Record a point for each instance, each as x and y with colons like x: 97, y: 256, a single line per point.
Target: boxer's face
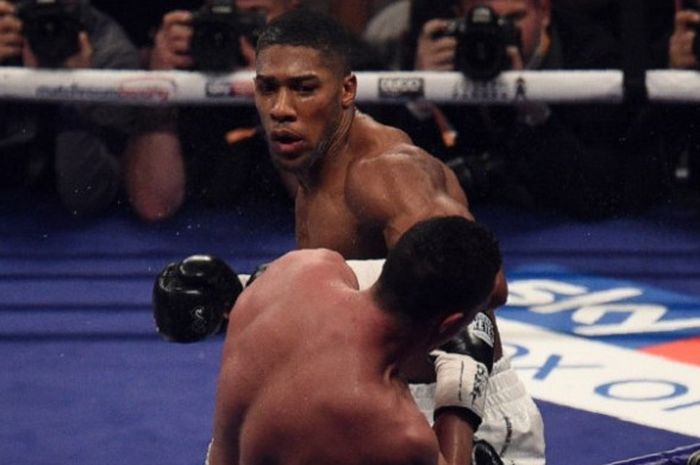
x: 530, y: 16
x: 300, y: 100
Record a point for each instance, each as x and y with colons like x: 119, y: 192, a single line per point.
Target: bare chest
x: 325, y: 221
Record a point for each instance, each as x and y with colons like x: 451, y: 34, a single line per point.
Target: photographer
x: 586, y: 160
x: 210, y: 154
x: 78, y: 144
x: 683, y: 53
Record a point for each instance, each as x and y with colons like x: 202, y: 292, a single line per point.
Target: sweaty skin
x: 373, y: 189
x: 361, y: 183
x: 311, y: 376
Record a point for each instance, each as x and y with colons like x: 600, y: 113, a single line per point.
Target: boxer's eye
x: 264, y: 87
x: 305, y: 87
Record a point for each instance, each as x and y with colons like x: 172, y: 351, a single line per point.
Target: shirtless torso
x: 373, y: 188
x: 307, y: 374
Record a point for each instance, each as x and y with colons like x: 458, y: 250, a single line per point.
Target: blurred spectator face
x: 272, y: 8
x: 531, y: 17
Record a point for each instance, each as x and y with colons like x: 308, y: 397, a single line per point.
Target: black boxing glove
x: 191, y: 298
x: 256, y: 273
x: 462, y: 367
x: 476, y: 340
x: 483, y: 453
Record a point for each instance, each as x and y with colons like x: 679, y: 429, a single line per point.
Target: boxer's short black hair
x: 445, y: 264
x: 307, y: 28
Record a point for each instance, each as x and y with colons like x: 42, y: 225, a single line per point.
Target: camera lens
x: 215, y: 45
x: 217, y: 32
x: 52, y: 31
x: 482, y: 54
x: 481, y: 47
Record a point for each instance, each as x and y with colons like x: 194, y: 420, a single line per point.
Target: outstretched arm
x: 396, y: 190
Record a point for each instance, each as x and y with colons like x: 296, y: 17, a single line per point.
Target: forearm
x: 462, y: 367
x: 455, y: 436
x: 155, y: 170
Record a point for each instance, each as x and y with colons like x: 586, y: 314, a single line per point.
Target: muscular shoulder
x: 391, y: 429
x: 368, y: 130
x: 409, y: 157
x: 325, y: 263
x: 403, y: 177
x: 393, y: 166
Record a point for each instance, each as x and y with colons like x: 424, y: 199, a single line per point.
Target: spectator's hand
x: 11, y: 39
x: 435, y: 53
x: 516, y: 58
x: 82, y: 59
x: 680, y: 48
x: 172, y: 43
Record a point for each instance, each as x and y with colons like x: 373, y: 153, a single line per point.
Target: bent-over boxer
x: 314, y: 370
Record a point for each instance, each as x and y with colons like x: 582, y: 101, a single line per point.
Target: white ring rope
x: 185, y: 87
x: 673, y: 86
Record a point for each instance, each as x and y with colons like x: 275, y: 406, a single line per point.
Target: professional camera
x: 51, y: 27
x: 694, y: 5
x: 218, y: 27
x: 482, y: 38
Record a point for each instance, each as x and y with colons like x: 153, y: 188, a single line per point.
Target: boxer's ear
x: 450, y: 326
x: 349, y: 90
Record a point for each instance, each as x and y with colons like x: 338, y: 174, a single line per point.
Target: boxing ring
x: 603, y: 322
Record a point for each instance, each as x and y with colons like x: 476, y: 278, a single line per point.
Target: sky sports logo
x: 597, y: 377
x: 616, y: 312
x: 401, y: 87
x: 615, y: 347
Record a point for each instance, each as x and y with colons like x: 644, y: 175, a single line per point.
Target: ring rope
x: 151, y: 88
x: 673, y: 86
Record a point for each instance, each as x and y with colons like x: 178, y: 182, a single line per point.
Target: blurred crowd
x: 587, y: 161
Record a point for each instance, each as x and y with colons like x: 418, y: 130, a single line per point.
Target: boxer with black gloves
x: 192, y: 298
x: 362, y: 184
